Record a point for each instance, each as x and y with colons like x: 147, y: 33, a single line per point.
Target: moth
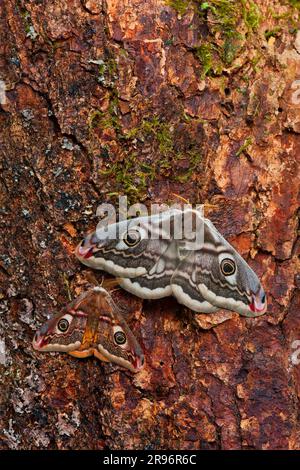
x: 153, y: 262
x: 92, y: 325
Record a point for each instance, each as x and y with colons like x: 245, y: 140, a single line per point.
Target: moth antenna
x: 110, y: 283
x: 67, y: 286
x: 115, y: 290
x: 93, y: 280
x: 207, y: 204
x: 181, y: 198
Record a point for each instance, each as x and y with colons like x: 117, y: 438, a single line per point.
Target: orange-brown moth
x: 92, y: 324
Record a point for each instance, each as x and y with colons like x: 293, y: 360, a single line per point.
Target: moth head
x: 125, y: 249
x: 63, y: 332
x: 232, y: 284
x: 238, y: 274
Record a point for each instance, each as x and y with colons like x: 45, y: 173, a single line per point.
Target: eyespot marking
x: 228, y: 267
x: 120, y: 337
x: 132, y: 237
x: 63, y: 325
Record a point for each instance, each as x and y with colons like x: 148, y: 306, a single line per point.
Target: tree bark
x: 150, y: 99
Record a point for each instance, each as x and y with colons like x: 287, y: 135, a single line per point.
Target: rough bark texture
x: 149, y: 99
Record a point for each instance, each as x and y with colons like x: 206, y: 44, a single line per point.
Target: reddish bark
x: 81, y: 78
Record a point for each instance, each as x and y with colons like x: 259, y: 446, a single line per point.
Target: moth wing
x: 145, y: 261
x: 155, y: 283
x: 128, y: 354
x: 185, y: 284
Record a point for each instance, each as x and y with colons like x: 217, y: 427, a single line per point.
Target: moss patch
x: 275, y: 32
x: 224, y: 20
x: 107, y: 72
x: 106, y: 120
x: 205, y: 55
x: 169, y: 156
x: 180, y: 6
x: 221, y: 15
x: 295, y: 3
x: 251, y: 15
x: 131, y: 176
x: 155, y: 129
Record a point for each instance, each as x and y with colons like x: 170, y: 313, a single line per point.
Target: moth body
x: 92, y: 325
x: 201, y: 269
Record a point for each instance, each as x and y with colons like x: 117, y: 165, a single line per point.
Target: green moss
x: 195, y: 158
x: 169, y: 42
x: 155, y: 129
x: 256, y: 60
x: 227, y: 14
x: 205, y: 56
x: 224, y: 15
x: 180, y: 6
x: 242, y: 91
x: 28, y: 25
x: 230, y: 50
x: 251, y: 14
x: 248, y: 141
x: 107, y: 72
x: 287, y: 21
x: 295, y: 4
x: 131, y: 176
x: 160, y: 131
x: 99, y: 119
x: 113, y: 110
x: 268, y: 117
x: 107, y: 120
x: 275, y: 32
x: 95, y: 119
x: 223, y: 19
